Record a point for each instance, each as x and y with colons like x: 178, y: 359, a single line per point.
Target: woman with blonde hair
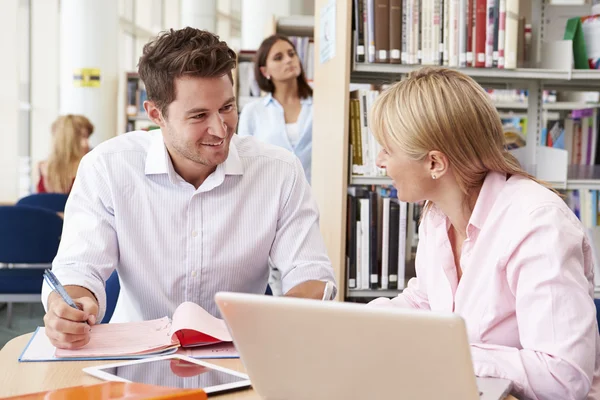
x: 70, y: 142
x: 495, y: 245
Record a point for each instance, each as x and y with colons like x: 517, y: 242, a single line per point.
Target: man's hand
x: 66, y: 327
x: 308, y: 290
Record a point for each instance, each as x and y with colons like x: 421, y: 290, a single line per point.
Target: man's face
x: 201, y: 120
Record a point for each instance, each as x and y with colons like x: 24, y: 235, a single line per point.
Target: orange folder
x: 116, y: 390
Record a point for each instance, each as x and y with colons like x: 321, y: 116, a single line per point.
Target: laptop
x: 308, y: 349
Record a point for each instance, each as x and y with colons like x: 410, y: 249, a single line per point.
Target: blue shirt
x: 264, y: 119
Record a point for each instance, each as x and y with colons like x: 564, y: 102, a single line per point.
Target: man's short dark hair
x: 177, y: 53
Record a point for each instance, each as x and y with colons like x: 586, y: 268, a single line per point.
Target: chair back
x: 28, y: 235
x: 113, y: 288
x: 49, y: 201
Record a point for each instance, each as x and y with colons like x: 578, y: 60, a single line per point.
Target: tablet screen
x: 173, y: 372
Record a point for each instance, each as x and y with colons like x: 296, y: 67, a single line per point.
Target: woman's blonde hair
x: 67, y: 151
x: 442, y: 109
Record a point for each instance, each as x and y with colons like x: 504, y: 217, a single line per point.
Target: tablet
x: 173, y: 371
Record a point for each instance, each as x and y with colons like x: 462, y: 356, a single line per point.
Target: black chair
x: 113, y: 288
x: 49, y: 201
x: 29, y: 239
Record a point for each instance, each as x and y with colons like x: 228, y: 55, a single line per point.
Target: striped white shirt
x: 171, y: 242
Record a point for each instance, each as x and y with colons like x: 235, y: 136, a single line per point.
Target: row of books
x: 585, y: 204
x: 136, y: 95
x: 363, y: 146
x: 381, y: 233
x: 577, y: 133
x: 456, y: 33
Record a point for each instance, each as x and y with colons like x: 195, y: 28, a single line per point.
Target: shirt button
x: 194, y: 233
x: 194, y: 273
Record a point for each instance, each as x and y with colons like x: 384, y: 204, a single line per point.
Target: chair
x: 49, y: 201
x: 28, y: 236
x: 113, y: 288
x: 597, y: 302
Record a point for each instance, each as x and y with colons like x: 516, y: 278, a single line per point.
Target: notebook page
x: 219, y: 350
x: 125, y: 338
x: 190, y: 315
x: 39, y: 348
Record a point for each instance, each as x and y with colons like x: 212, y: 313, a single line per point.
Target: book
x: 192, y: 332
x: 115, y: 391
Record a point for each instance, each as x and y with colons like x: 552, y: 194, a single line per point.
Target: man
x: 187, y: 211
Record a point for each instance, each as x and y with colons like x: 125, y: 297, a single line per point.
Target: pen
x: 56, y: 286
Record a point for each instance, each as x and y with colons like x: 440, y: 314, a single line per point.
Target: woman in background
x: 284, y: 117
x: 495, y: 246
x: 70, y: 142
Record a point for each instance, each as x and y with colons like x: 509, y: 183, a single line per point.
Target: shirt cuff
x: 313, y: 272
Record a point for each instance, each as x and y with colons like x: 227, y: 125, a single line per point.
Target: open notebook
x: 192, y: 332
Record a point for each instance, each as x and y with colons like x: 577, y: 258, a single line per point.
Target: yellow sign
x: 86, y: 77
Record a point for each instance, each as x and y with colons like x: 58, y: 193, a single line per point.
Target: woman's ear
x: 263, y: 71
x: 437, y: 164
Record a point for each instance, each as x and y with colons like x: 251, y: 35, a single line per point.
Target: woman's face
x: 410, y: 177
x: 85, y: 141
x: 282, y: 62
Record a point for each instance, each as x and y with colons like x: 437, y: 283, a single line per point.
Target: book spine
x: 373, y: 266
x: 396, y: 31
x: 502, y: 34
x: 385, y: 243
x: 359, y: 29
x: 381, y: 26
x: 480, y: 32
x: 394, y: 244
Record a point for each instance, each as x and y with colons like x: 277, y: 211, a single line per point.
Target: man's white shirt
x: 171, y: 242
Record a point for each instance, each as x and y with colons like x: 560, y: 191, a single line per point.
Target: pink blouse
x: 526, y: 293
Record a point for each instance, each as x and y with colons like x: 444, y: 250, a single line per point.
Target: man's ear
x: 154, y: 113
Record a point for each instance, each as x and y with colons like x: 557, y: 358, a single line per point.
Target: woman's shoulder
x: 527, y: 201
x: 254, y: 105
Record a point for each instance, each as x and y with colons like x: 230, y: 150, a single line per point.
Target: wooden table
x: 20, y: 378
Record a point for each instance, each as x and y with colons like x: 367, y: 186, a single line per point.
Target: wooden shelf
x: 558, y: 106
x: 372, y: 293
x: 573, y: 183
x: 586, y: 79
x: 296, y: 25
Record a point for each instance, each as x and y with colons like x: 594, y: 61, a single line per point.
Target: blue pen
x: 56, y: 286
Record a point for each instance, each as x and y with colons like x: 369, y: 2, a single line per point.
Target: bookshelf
x: 135, y: 95
x: 331, y: 144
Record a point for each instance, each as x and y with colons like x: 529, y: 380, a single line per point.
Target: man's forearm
x: 73, y: 291
x: 308, y: 290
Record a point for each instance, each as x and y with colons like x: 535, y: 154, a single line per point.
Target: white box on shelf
x: 551, y: 164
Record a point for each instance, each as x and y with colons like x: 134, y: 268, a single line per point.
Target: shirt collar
x: 159, y: 162
x: 157, y: 159
x: 269, y: 98
x: 492, y: 186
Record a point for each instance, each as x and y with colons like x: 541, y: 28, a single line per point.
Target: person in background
x: 70, y: 142
x: 496, y: 246
x: 284, y: 117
